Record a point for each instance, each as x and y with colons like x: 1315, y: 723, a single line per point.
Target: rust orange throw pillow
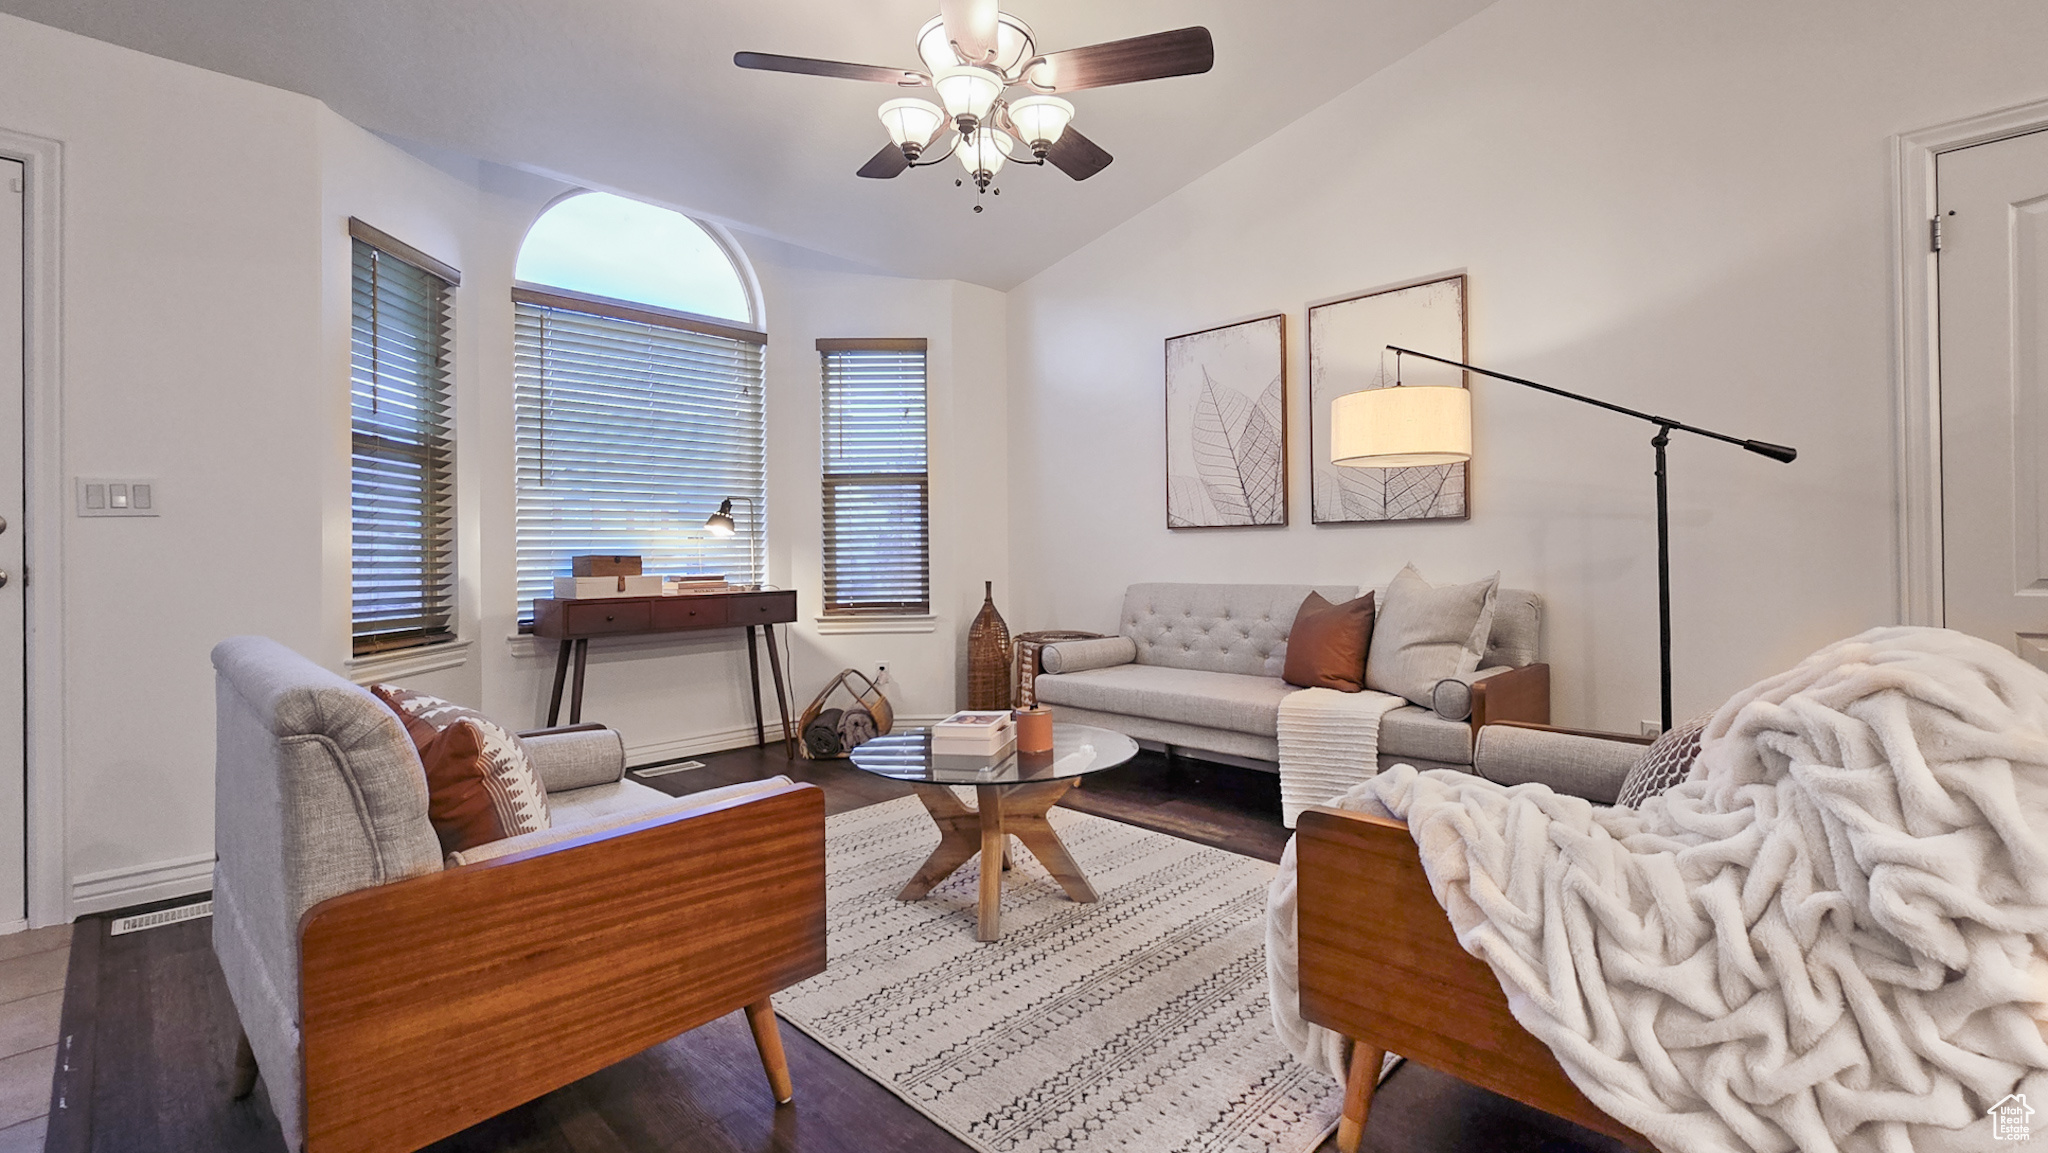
x: 1327, y: 645
x: 480, y: 786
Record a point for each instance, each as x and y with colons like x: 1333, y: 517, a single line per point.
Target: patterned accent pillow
x: 1666, y: 763
x: 480, y: 785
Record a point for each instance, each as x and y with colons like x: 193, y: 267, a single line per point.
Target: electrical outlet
x: 1652, y: 729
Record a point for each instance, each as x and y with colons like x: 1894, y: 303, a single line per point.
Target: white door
x: 13, y: 697
x: 1992, y: 201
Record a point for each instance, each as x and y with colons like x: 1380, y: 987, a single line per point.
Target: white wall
x: 189, y: 307
x: 206, y: 345
x: 1681, y: 208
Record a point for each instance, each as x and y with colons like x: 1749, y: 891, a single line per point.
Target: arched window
x: 608, y: 245
x: 638, y: 406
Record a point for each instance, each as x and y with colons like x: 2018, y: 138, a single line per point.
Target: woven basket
x: 865, y: 694
x: 1025, y: 673
x: 988, y: 655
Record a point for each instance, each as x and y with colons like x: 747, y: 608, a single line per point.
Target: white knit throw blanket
x: 1830, y: 938
x: 1329, y: 742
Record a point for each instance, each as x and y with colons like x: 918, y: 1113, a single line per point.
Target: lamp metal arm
x: 1777, y: 452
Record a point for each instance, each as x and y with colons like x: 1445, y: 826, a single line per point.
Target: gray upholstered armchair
x: 388, y: 998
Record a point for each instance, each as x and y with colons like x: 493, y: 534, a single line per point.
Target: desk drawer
x: 688, y: 612
x: 767, y: 608
x: 586, y: 618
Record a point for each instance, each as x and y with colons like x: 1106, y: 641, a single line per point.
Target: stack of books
x: 974, y: 734
x: 694, y: 583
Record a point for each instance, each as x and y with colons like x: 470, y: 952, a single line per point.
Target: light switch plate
x: 118, y: 496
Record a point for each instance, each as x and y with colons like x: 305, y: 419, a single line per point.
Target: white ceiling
x: 642, y: 97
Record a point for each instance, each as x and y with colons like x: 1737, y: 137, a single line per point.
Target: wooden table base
x: 1000, y: 812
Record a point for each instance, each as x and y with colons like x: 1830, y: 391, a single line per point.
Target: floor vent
x: 665, y: 770
x: 160, y: 918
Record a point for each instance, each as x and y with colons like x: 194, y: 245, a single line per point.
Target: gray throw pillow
x: 1425, y: 633
x: 1080, y: 656
x: 1452, y: 697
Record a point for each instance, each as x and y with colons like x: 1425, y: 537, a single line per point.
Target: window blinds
x: 877, y: 508
x: 402, y: 499
x: 630, y: 429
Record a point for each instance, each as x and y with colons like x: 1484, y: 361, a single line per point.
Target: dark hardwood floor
x: 148, y: 1030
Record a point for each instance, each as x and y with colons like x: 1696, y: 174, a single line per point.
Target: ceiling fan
x: 973, y: 55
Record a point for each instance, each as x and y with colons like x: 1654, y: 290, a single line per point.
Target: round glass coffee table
x: 1012, y: 794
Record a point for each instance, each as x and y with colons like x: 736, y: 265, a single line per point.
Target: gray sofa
x: 389, y: 997
x: 1204, y: 676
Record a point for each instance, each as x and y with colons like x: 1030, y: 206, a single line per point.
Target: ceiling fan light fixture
x: 912, y: 123
x: 1014, y: 46
x: 982, y: 154
x: 1040, y: 120
x: 968, y: 91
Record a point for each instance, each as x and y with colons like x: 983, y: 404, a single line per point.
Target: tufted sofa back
x: 1215, y: 627
x: 1228, y: 628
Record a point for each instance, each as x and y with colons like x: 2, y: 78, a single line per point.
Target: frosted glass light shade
x: 1400, y: 427
x: 967, y: 90
x: 1040, y: 119
x: 912, y: 121
x: 1013, y: 45
x: 934, y: 49
x: 985, y: 151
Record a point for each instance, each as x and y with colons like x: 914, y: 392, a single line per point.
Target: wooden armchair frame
x: 430, y: 1004
x: 1518, y: 695
x: 1381, y: 965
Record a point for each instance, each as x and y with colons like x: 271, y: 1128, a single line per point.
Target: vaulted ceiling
x: 641, y: 97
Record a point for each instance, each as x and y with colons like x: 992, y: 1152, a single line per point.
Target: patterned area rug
x: 1136, y: 1023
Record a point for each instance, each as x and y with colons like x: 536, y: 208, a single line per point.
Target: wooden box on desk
x: 600, y: 566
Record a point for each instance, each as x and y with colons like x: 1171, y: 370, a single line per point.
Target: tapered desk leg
x: 561, y: 673
x: 754, y: 675
x: 576, y: 693
x: 781, y: 697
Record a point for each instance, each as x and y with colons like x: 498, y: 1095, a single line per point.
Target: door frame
x: 1917, y: 350
x: 44, y: 511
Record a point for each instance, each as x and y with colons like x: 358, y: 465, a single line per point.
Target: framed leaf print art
x: 1347, y: 352
x: 1226, y: 426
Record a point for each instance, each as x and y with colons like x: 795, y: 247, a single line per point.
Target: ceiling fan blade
x: 884, y: 165
x: 806, y: 66
x: 971, y: 24
x: 1076, y: 155
x: 1184, y: 52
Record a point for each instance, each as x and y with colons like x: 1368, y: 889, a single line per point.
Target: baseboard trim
x: 141, y: 884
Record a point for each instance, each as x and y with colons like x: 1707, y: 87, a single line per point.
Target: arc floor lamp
x: 1432, y: 424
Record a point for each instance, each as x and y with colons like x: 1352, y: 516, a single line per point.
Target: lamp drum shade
x: 1401, y: 426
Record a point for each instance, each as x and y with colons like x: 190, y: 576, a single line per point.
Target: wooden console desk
x: 574, y: 622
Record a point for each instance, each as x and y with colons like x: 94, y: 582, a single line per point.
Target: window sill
x: 407, y: 662
x: 841, y: 626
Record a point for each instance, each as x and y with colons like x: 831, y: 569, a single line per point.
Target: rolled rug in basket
x: 821, y: 736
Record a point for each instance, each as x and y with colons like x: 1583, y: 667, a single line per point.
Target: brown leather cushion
x: 1327, y: 645
x: 480, y: 785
